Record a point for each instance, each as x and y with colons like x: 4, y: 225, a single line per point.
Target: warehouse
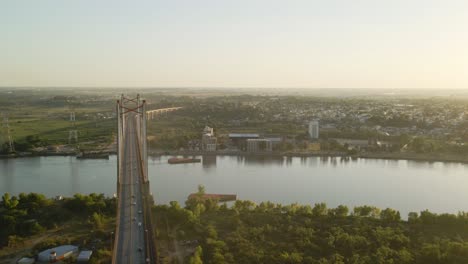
x: 57, y: 253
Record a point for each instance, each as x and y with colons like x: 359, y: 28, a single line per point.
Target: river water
x: 403, y: 185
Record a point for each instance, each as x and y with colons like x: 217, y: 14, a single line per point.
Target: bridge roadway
x: 130, y: 237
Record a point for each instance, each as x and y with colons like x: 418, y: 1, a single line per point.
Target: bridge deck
x: 130, y: 238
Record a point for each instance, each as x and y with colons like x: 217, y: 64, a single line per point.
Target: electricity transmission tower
x: 73, y: 132
x: 7, y: 133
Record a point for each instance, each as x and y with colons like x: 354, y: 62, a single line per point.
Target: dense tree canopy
x: 32, y: 213
x: 273, y: 233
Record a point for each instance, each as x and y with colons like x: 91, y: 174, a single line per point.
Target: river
x: 403, y: 185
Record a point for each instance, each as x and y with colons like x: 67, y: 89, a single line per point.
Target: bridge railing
x: 120, y: 126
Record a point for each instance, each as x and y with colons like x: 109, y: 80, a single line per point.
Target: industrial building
x: 57, y: 254
x: 209, y: 141
x: 259, y: 145
x: 240, y: 140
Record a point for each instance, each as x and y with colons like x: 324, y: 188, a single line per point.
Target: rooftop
x: 84, y: 255
x: 242, y: 135
x: 60, y: 250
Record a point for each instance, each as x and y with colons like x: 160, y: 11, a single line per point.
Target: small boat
x: 182, y: 160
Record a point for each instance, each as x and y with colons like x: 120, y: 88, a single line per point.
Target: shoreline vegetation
x: 422, y: 157
x: 207, y: 231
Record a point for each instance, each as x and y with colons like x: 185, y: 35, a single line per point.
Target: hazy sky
x: 235, y: 43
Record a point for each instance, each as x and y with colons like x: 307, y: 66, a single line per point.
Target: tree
x: 201, y: 190
x: 97, y: 221
x: 9, y: 202
x: 291, y: 258
x: 367, y: 211
x: 320, y: 209
x: 390, y: 215
x: 196, y: 258
x: 418, y: 144
x: 412, y: 217
x: 14, y: 240
x: 340, y: 211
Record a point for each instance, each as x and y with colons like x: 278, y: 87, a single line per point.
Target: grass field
x: 52, y: 124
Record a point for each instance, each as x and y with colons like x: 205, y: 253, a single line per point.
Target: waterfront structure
x: 275, y: 141
x: 240, y: 139
x: 259, y: 145
x: 209, y: 141
x: 314, y: 129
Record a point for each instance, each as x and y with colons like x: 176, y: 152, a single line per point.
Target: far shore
x: 423, y: 157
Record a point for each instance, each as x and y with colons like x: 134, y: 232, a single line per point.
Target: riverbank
x: 54, y: 154
x: 423, y: 157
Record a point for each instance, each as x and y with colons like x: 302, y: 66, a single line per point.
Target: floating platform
x: 218, y: 197
x: 93, y: 155
x: 183, y: 160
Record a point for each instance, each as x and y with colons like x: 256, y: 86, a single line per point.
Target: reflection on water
x: 6, y: 177
x: 75, y: 183
x: 324, y: 159
x: 154, y: 159
x: 262, y: 160
x: 313, y: 161
x: 209, y: 161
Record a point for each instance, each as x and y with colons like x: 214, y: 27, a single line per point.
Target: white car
x: 139, y: 224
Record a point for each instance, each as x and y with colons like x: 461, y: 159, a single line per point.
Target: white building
x: 314, y: 129
x: 209, y: 141
x: 256, y: 145
x: 208, y: 131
